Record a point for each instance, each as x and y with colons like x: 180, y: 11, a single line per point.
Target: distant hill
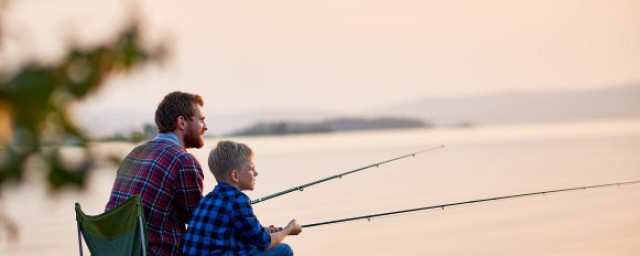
x: 227, y: 123
x: 332, y: 125
x: 523, y: 107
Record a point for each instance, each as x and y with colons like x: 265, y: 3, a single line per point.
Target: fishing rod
x: 443, y: 206
x: 302, y: 187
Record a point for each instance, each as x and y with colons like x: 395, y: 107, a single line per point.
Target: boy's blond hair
x: 226, y: 157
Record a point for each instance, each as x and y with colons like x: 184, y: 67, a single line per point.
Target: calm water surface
x: 476, y: 163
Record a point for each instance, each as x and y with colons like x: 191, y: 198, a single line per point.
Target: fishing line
x: 443, y: 206
x: 302, y: 187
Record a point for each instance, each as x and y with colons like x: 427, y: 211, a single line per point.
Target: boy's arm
x: 293, y: 228
x: 247, y: 224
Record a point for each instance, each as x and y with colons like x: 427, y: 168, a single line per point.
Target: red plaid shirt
x: 169, y: 180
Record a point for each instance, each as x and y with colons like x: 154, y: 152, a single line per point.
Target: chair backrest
x: 121, y: 231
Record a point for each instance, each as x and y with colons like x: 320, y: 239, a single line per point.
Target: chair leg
x: 144, y: 247
x: 80, y: 238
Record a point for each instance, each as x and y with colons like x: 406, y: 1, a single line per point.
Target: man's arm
x: 188, y: 187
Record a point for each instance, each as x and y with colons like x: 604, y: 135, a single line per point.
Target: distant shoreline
x: 328, y: 126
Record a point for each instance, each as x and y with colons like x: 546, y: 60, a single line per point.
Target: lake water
x: 476, y: 163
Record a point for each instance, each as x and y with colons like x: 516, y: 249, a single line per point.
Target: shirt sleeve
x: 188, y: 187
x: 248, y: 225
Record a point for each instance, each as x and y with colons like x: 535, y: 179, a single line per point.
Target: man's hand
x: 293, y: 228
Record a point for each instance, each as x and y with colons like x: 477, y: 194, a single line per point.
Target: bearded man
x: 164, y: 174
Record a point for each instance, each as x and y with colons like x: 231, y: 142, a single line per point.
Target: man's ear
x: 182, y: 123
x: 234, y: 176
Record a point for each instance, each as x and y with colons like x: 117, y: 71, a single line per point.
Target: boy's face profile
x: 247, y: 175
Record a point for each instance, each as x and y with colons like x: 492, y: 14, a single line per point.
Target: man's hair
x: 228, y: 156
x: 173, y: 105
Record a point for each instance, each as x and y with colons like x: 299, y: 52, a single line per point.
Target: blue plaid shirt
x: 224, y: 224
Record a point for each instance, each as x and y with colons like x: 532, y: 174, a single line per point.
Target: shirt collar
x: 223, y: 186
x: 170, y: 136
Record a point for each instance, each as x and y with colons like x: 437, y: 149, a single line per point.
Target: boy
x: 223, y: 223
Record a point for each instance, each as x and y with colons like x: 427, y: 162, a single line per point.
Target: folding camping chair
x: 121, y: 231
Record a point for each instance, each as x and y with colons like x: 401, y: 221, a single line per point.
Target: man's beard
x: 193, y: 139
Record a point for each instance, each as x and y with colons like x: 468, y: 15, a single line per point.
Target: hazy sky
x: 345, y: 56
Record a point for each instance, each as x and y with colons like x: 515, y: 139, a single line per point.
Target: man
x: 164, y: 174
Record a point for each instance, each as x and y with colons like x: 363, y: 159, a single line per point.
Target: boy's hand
x: 273, y: 229
x: 294, y: 228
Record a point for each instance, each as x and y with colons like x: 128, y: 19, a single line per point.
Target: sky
x: 344, y: 56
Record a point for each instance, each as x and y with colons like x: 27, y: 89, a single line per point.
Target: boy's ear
x: 234, y: 176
